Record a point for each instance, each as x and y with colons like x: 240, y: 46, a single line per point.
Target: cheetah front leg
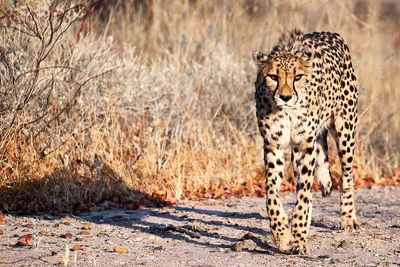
x: 274, y: 169
x: 304, y: 169
x: 345, y: 145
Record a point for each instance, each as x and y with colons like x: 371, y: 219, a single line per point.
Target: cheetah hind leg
x: 322, y: 164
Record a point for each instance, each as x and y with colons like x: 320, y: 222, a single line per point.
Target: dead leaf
x: 14, y: 158
x: 86, y: 226
x: 67, y: 223
x: 83, y: 233
x: 25, y: 240
x: 2, y: 222
x: 160, y: 193
x: 77, y: 247
x: 1, y: 232
x: 170, y: 198
x: 45, y: 233
x: 218, y: 194
x: 120, y: 250
x: 237, y: 248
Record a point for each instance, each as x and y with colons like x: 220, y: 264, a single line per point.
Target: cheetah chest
x: 288, y: 127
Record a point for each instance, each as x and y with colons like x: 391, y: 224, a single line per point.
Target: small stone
x: 248, y: 236
x: 343, y: 244
x: 66, y: 235
x: 101, y: 235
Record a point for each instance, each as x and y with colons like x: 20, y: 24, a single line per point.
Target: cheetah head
x: 285, y: 74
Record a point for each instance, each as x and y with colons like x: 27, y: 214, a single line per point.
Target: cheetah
x: 305, y: 87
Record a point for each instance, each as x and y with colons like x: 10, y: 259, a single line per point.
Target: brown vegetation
x: 101, y: 99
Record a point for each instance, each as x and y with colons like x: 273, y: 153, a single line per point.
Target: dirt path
x: 205, y: 234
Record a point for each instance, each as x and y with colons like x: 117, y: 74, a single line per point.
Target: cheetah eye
x: 273, y: 77
x: 298, y: 77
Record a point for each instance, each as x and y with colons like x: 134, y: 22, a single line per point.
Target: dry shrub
x: 52, y: 95
x: 158, y: 95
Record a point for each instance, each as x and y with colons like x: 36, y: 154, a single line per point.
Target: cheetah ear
x: 259, y: 57
x: 305, y: 53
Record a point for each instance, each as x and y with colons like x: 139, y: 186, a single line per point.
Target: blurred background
x: 115, y: 103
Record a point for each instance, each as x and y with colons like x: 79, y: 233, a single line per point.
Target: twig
x: 178, y: 229
x: 76, y: 94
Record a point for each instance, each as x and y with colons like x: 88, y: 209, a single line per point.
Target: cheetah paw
x: 283, y: 242
x: 326, y: 190
x: 349, y: 224
x: 299, y: 247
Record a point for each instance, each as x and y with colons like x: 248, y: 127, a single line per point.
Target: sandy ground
x: 211, y: 233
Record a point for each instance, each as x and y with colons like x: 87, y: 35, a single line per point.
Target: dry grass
x: 159, y: 94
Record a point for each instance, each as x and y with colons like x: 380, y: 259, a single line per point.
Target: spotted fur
x: 305, y: 87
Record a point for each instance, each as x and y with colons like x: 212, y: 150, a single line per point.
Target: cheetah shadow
x: 185, y: 232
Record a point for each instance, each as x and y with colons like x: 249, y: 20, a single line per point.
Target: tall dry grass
x: 159, y: 94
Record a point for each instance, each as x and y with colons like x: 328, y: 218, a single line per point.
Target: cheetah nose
x: 285, y: 98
